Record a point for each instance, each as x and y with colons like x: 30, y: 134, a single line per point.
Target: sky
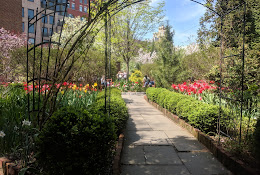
x: 183, y: 16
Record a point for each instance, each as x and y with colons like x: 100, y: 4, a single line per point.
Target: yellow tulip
x: 95, y: 84
x: 62, y: 92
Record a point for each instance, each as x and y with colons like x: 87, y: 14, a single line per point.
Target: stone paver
x: 156, y: 145
x: 154, y: 170
x: 202, y: 163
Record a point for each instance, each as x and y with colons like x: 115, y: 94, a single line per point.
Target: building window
x: 80, y: 8
x: 51, y: 19
x: 31, y: 40
x: 80, y: 1
x: 68, y: 5
x: 45, y: 31
x: 22, y: 12
x: 23, y: 26
x: 31, y: 0
x: 51, y: 4
x: 73, y: 6
x: 46, y: 41
x: 31, y: 28
x: 30, y: 13
x: 44, y: 18
x: 50, y: 31
x: 43, y: 3
x: 85, y: 9
x: 85, y: 1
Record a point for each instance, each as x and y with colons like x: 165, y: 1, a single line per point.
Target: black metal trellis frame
x: 222, y: 17
x: 35, y: 72
x: 33, y: 22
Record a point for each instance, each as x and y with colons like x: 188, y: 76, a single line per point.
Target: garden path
x: 156, y: 145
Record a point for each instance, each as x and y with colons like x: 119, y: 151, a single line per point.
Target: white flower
x: 26, y: 122
x: 16, y: 128
x: 2, y: 134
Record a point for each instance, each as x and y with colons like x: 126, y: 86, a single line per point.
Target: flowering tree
x: 145, y: 57
x: 8, y: 42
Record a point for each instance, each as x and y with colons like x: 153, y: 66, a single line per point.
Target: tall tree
x: 131, y: 25
x: 232, y: 37
x: 167, y: 60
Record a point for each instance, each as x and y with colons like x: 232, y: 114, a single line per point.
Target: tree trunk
x: 127, y: 70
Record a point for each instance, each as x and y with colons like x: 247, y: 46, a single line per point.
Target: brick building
x: 77, y: 8
x: 10, y: 15
x: 14, y: 16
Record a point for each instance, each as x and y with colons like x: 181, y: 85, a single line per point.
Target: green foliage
x: 76, y: 141
x: 136, y: 76
x: 117, y: 107
x: 167, y: 69
x: 76, y: 98
x: 201, y: 115
x: 129, y: 27
x: 161, y: 97
x: 148, y: 69
x: 13, y: 102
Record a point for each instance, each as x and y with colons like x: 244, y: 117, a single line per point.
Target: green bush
x: 76, y: 141
x: 201, y: 115
x: 186, y: 106
x: 161, y: 97
x: 117, y: 106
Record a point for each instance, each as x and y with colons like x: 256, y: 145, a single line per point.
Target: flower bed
x: 81, y: 114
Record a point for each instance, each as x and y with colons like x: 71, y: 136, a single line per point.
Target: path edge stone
x: 234, y: 165
x: 117, y: 159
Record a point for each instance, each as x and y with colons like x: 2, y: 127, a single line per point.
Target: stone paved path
x: 156, y: 145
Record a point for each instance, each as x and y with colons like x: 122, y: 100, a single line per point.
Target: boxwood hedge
x: 81, y: 141
x: 117, y: 107
x: 201, y: 115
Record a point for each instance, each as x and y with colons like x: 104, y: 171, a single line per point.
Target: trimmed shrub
x: 117, y: 106
x: 161, y: 97
x: 118, y: 111
x: 76, y: 141
x: 186, y: 106
x: 201, y: 115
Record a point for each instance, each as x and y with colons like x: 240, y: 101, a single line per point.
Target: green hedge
x: 80, y: 141
x: 75, y: 141
x: 201, y: 115
x: 118, y: 109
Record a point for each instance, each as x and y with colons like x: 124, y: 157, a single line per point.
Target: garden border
x: 117, y: 158
x: 232, y: 163
x: 9, y: 168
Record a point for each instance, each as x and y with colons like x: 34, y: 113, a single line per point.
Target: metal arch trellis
x: 222, y: 17
x: 54, y: 72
